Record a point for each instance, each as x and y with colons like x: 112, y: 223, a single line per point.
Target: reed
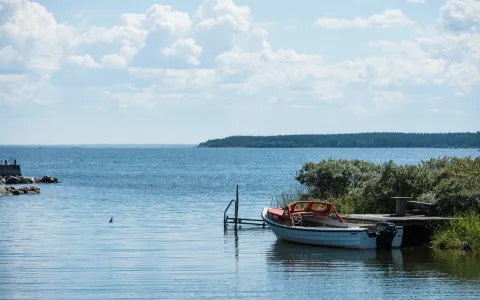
x: 296, y: 193
x: 462, y: 233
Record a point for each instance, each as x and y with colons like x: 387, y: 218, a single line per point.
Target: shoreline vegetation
x: 462, y: 233
x: 356, y: 186
x: 360, y: 187
x: 351, y: 140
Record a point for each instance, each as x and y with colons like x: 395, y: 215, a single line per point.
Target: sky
x: 183, y: 72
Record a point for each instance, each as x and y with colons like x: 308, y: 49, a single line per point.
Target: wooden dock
x: 419, y: 219
x: 417, y: 229
x: 400, y: 221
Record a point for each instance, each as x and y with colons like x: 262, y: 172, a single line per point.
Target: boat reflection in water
x: 300, y: 255
x: 406, y: 262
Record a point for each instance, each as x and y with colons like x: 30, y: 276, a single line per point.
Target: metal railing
x: 236, y: 220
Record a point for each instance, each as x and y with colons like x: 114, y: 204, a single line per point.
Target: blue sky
x: 172, y: 72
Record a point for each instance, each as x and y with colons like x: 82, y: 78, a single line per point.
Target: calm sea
x: 167, y: 239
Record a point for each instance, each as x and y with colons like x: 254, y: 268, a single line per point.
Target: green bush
x: 356, y: 186
x: 332, y: 177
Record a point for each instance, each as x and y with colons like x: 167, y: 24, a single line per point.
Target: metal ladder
x: 236, y: 220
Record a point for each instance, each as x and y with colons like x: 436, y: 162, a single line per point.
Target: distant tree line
x: 352, y: 140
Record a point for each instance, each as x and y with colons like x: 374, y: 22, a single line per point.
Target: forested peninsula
x: 351, y: 140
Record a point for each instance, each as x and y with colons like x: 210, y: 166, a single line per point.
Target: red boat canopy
x: 318, y: 208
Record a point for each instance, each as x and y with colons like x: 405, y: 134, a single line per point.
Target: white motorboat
x: 318, y: 223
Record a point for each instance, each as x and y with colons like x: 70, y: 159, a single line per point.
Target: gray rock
x: 26, y: 180
x: 48, y: 179
x: 10, y: 190
x: 13, y: 180
x: 4, y: 191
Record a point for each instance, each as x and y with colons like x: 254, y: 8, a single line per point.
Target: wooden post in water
x: 236, y: 206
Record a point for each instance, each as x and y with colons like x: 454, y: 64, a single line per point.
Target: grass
x: 462, y: 233
x: 295, y: 193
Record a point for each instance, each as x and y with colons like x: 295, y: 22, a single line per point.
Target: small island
x: 351, y: 140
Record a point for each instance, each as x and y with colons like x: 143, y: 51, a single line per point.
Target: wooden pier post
x: 236, y: 206
x: 401, y: 206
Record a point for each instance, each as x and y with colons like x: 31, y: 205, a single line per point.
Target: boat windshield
x: 310, y: 206
x: 319, y: 207
x: 312, y: 209
x: 302, y: 206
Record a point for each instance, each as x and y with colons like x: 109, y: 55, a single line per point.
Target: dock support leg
x: 236, y: 206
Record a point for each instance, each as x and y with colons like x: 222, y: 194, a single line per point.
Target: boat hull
x: 349, y: 237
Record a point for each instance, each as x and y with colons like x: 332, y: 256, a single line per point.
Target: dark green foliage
x: 332, y: 177
x: 356, y: 186
x: 352, y: 140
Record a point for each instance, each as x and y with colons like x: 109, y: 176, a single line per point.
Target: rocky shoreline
x: 10, y: 190
x: 26, y: 180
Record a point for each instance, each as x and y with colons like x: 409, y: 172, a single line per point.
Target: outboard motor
x: 386, y: 232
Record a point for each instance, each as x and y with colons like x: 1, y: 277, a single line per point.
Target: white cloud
x: 18, y: 89
x: 85, y: 60
x: 388, y: 99
x: 460, y: 15
x: 32, y: 32
x: 9, y: 56
x: 389, y: 18
x: 35, y: 45
x: 463, y: 74
x: 6, y: 79
x: 186, y: 48
x: 166, y: 55
x: 163, y: 18
x: 134, y: 99
x: 404, y: 62
x: 214, y: 12
x: 114, y: 61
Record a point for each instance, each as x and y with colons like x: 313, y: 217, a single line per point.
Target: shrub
x: 332, y: 177
x: 463, y: 233
x: 359, y: 187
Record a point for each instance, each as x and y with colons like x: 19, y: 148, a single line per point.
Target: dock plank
x: 392, y: 218
x: 417, y: 229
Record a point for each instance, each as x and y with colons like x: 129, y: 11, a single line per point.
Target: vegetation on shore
x: 351, y: 140
x: 356, y: 186
x: 463, y: 233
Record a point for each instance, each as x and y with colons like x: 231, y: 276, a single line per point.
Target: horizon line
x: 106, y: 144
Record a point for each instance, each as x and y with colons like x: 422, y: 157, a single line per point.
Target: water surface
x: 167, y: 239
